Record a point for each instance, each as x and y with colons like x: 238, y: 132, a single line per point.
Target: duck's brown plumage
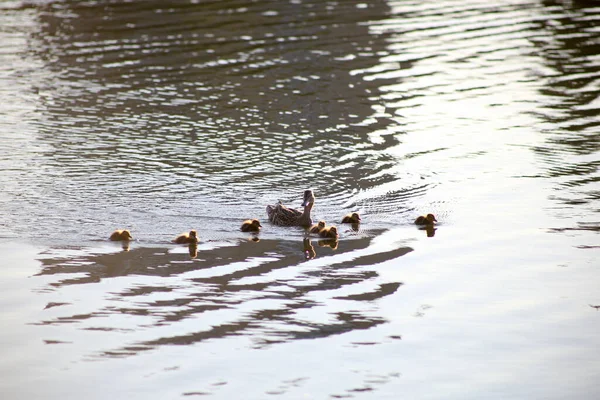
x: 251, y: 225
x: 428, y: 219
x: 186, y: 238
x: 279, y: 214
x: 121, y: 234
x: 352, y: 218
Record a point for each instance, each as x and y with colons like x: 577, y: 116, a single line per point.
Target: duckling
x: 329, y: 232
x: 352, y: 218
x: 429, y: 219
x: 316, y: 228
x: 121, y: 234
x: 184, y: 238
x: 251, y: 225
x: 281, y: 215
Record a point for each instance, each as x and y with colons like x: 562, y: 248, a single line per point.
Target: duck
x: 251, y: 225
x: 329, y: 232
x: 187, y: 238
x: 281, y: 215
x: 121, y: 234
x: 317, y: 227
x: 428, y: 219
x: 352, y: 218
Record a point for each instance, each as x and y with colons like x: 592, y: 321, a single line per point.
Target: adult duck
x: 284, y: 216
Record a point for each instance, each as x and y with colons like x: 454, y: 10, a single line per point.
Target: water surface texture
x: 163, y: 117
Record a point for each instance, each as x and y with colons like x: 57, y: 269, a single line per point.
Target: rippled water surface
x: 163, y: 117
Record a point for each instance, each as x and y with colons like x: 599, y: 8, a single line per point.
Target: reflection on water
x: 230, y: 276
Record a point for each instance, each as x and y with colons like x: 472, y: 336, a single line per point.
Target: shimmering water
x: 164, y: 117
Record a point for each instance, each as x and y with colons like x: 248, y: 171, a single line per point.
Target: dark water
x: 163, y: 117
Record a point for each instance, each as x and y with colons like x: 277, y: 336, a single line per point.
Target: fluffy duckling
x: 187, y: 238
x: 352, y: 218
x: 329, y: 232
x: 121, y: 234
x: 316, y: 228
x: 251, y: 225
x: 429, y: 219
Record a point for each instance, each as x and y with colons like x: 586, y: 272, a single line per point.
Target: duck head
x: 309, y: 198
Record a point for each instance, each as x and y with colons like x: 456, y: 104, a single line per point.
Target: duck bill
x: 308, y: 198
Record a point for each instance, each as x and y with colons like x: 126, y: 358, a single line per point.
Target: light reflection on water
x: 161, y: 119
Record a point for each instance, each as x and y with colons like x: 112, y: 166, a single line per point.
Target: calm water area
x: 162, y: 117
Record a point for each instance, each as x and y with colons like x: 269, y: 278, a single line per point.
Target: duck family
x: 281, y: 215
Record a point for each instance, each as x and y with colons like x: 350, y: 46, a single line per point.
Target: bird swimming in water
x: 429, y: 219
x: 352, y: 218
x: 281, y: 215
x: 187, y: 238
x: 251, y: 225
x: 317, y: 227
x: 121, y: 234
x: 329, y: 232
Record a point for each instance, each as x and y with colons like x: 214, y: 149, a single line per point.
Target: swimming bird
x: 352, y: 218
x: 429, y: 219
x: 281, y: 215
x: 317, y: 227
x: 121, y: 234
x: 251, y: 225
x: 186, y: 238
x: 329, y: 232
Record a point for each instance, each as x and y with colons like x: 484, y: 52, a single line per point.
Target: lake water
x: 162, y: 118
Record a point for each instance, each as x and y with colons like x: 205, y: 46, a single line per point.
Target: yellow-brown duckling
x: 329, y: 232
x: 429, y: 219
x: 121, y: 234
x: 316, y: 228
x: 352, y: 218
x: 251, y: 225
x: 187, y: 238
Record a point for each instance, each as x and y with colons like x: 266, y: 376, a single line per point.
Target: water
x: 164, y: 118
